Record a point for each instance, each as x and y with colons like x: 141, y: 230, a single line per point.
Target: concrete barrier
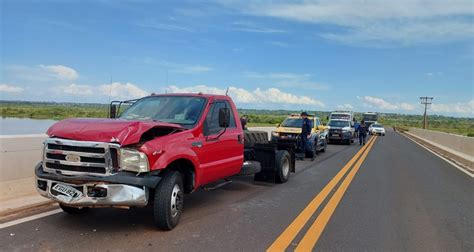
x: 456, y: 147
x: 18, y: 156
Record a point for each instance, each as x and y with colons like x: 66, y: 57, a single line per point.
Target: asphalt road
x: 400, y: 198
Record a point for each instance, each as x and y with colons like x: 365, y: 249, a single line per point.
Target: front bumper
x: 121, y: 189
x: 341, y: 136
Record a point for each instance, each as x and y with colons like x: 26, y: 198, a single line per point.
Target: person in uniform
x: 362, y: 132
x: 243, y: 121
x: 305, y: 131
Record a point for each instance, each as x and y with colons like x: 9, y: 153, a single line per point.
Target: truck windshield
x: 294, y: 122
x: 340, y: 116
x: 370, y: 118
x: 183, y: 110
x: 341, y: 124
x: 377, y: 126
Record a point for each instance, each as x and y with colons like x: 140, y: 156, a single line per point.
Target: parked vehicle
x: 158, y: 149
x: 290, y: 129
x: 377, y: 129
x: 341, y: 131
x: 370, y: 118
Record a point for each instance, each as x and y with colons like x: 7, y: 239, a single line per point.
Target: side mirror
x: 278, y: 125
x: 224, y: 117
x: 113, y: 111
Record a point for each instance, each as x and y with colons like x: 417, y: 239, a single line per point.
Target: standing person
x: 243, y: 121
x: 305, y: 131
x: 356, y: 128
x: 362, y: 132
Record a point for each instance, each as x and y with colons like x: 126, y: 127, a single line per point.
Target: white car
x: 377, y: 129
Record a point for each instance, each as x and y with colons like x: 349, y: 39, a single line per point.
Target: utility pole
x: 425, y: 101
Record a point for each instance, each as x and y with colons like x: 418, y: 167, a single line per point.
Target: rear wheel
x: 73, y: 210
x: 168, y: 201
x: 282, y: 163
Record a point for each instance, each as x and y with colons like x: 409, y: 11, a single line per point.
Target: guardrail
x: 18, y: 156
x: 455, y: 147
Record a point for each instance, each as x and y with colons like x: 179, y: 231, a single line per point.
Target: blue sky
x: 314, y: 55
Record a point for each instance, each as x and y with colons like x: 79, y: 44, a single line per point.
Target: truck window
x: 211, y: 125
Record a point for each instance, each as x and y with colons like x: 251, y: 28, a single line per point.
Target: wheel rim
x: 176, y: 200
x: 285, y: 167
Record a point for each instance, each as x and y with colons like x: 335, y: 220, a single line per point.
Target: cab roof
x: 194, y: 95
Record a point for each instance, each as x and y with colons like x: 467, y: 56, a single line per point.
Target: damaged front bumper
x: 120, y: 190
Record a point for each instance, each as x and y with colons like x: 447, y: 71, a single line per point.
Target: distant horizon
x: 240, y: 108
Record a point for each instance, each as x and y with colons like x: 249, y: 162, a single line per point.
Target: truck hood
x: 124, y: 132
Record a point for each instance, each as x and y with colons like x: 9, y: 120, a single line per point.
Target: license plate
x: 335, y: 135
x: 67, y: 190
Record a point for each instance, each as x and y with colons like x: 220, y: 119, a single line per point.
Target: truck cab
x: 158, y: 149
x: 290, y: 128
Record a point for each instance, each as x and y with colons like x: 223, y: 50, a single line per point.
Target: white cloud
x: 258, y: 96
x: 288, y: 80
x: 74, y: 89
x: 247, y: 26
x: 154, y: 24
x: 61, y: 72
x: 378, y: 103
x: 10, y: 89
x: 407, y: 106
x: 41, y: 73
x: 122, y: 91
x: 115, y: 90
x: 374, y: 22
x: 345, y: 107
x: 466, y: 108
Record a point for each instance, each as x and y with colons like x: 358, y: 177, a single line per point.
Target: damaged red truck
x: 158, y: 149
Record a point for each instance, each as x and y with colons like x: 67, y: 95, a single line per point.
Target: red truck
x: 158, y: 149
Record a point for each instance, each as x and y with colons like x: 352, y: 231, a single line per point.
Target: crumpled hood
x: 120, y: 131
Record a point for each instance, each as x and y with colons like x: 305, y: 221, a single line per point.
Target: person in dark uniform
x: 305, y: 131
x: 362, y: 132
x: 243, y: 121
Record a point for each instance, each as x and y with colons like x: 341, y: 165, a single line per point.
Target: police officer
x: 305, y: 131
x: 363, y: 129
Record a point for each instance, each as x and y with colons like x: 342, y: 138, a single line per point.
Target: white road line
x: 30, y: 218
x: 445, y: 159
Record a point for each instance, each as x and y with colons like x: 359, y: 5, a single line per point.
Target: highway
x: 391, y: 195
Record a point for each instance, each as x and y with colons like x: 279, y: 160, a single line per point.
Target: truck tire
x: 168, y: 201
x: 73, y: 210
x: 282, y: 164
x: 255, y: 137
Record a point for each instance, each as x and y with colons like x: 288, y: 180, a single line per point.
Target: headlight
x: 133, y: 160
x: 275, y: 134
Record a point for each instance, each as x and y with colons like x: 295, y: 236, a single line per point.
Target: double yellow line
x: 311, y: 237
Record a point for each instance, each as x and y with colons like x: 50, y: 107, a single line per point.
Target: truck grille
x: 71, y: 157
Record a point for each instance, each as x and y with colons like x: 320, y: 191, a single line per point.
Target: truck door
x: 221, y: 153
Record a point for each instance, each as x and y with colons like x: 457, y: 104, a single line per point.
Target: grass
x: 258, y: 118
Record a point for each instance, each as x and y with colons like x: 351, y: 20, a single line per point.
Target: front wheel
x: 282, y: 164
x: 168, y: 201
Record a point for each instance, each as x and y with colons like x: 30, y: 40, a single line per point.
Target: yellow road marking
x: 285, y: 238
x: 314, y: 232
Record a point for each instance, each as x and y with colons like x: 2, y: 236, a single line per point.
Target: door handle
x: 239, y: 139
